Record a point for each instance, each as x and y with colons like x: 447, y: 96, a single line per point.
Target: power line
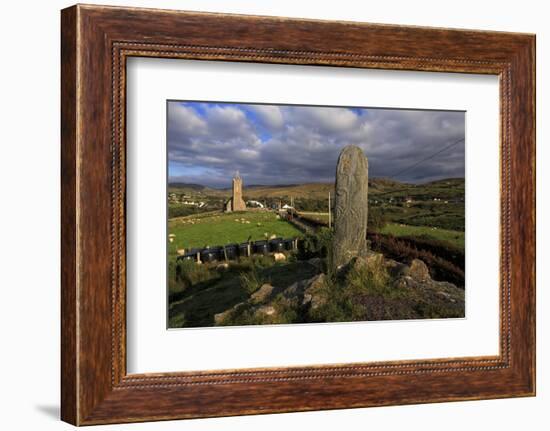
x: 427, y: 158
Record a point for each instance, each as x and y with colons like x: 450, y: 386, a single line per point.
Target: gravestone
x: 350, y: 206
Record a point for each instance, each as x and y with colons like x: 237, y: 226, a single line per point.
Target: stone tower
x: 237, y: 199
x: 236, y: 203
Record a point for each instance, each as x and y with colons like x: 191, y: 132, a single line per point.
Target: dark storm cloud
x: 207, y: 143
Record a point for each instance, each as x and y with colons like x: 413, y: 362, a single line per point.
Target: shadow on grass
x: 197, y: 305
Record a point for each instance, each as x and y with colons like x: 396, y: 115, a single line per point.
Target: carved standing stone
x: 350, y: 206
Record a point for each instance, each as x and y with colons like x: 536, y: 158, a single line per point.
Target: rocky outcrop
x: 409, y: 292
x: 262, y: 294
x: 419, y: 272
x: 313, y: 292
x: 265, y: 301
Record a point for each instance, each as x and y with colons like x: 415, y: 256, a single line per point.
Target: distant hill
x: 447, y: 189
x: 311, y: 191
x: 190, y: 186
x: 382, y: 184
x: 446, y: 182
x: 451, y: 188
x: 273, y: 186
x: 193, y: 189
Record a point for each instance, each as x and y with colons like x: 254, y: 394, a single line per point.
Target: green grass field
x: 228, y: 228
x: 454, y: 237
x: 322, y: 217
x: 397, y: 229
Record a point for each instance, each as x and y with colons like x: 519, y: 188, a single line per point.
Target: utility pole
x: 329, y: 213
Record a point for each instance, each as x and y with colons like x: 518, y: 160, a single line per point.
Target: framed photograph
x: 264, y: 214
x: 295, y: 235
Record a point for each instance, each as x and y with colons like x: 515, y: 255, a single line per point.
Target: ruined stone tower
x: 236, y: 203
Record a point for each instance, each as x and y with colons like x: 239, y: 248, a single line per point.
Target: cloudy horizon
x: 291, y: 144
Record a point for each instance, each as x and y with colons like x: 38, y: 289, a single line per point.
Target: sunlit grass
x: 454, y: 237
x: 222, y: 229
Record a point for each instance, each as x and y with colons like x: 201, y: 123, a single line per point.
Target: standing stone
x: 350, y: 206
